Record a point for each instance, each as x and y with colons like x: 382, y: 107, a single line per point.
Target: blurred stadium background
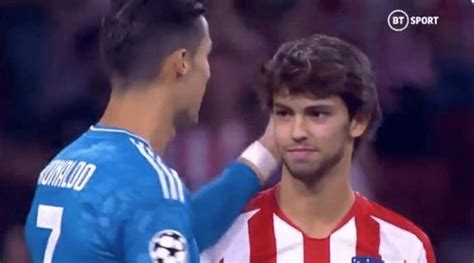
x: 53, y: 86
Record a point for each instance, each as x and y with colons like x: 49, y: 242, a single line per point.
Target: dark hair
x: 138, y: 34
x: 324, y: 66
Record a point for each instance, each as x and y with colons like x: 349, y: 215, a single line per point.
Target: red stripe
x: 398, y: 220
x: 262, y: 238
x: 316, y: 250
x: 368, y: 236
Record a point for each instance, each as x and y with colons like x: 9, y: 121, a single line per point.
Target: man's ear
x: 181, y: 62
x: 359, y: 124
x: 175, y: 66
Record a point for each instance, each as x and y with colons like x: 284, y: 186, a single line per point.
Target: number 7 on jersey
x: 49, y: 217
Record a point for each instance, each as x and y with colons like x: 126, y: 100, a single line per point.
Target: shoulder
x: 126, y: 164
x: 392, y: 219
x: 261, y: 200
x: 397, y: 229
x: 110, y: 153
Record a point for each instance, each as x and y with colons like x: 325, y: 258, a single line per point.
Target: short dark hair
x: 138, y: 35
x: 324, y: 66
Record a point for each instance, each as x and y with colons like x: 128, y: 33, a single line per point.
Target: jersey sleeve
x: 155, y: 234
x: 150, y: 228
x: 217, y: 205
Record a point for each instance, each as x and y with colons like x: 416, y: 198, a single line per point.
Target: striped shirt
x: 367, y: 233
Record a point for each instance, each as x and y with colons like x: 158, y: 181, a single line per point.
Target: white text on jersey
x: 67, y: 174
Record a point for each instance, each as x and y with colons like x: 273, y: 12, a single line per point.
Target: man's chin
x: 311, y: 172
x: 193, y: 120
x: 305, y: 172
x: 185, y: 121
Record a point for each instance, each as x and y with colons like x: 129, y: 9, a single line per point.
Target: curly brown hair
x: 324, y: 66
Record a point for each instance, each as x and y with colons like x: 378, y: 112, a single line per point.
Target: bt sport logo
x: 398, y: 20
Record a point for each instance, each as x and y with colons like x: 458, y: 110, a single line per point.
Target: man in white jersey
x: 322, y: 97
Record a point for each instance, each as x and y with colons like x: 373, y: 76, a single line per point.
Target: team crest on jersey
x: 366, y: 260
x: 168, y: 246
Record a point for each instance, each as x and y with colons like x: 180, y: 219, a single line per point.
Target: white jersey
x: 368, y: 233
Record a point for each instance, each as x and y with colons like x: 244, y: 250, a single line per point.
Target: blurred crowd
x: 53, y: 87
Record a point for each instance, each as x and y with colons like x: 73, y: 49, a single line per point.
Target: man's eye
x: 318, y: 114
x: 282, y: 113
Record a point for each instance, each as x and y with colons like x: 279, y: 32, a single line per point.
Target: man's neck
x: 143, y: 113
x: 317, y: 208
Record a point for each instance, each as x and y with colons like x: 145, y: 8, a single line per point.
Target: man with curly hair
x: 323, y: 102
x: 109, y: 197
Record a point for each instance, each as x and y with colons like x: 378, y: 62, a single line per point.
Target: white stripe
x: 343, y: 243
x: 179, y: 184
x: 289, y: 242
x: 169, y: 177
x: 173, y: 183
x: 161, y: 176
x: 397, y: 244
x: 97, y: 129
x: 234, y: 245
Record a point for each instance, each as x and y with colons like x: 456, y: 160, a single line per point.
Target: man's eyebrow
x: 281, y: 105
x: 319, y: 107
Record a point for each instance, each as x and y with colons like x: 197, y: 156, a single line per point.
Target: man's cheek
x: 280, y: 139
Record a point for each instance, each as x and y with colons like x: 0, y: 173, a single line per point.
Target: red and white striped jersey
x: 368, y: 233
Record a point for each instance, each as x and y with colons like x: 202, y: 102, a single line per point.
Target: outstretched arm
x: 217, y: 204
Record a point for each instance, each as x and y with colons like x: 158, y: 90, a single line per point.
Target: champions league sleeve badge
x: 168, y: 246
